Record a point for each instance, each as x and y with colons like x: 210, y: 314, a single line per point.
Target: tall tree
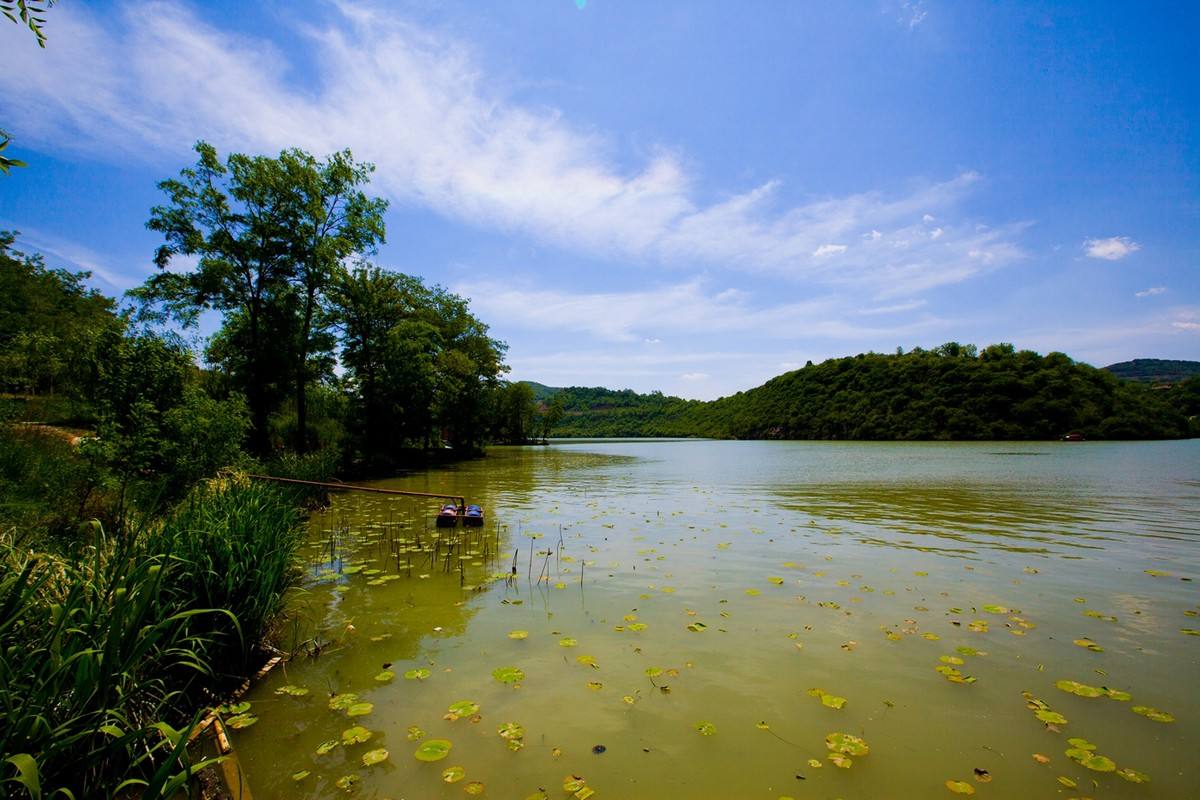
x: 331, y: 219
x: 269, y: 234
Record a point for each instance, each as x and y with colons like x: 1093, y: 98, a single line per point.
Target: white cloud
x: 76, y: 257
x: 1153, y: 290
x: 1113, y: 248
x: 936, y: 233
x: 694, y: 376
x: 421, y: 106
x: 1186, y: 326
x: 927, y: 218
x: 829, y: 250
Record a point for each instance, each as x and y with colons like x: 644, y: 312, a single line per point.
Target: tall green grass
x: 108, y: 653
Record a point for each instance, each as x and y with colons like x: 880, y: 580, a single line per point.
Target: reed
x: 107, y: 652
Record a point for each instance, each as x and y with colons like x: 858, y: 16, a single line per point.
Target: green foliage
x: 420, y: 367
x: 104, y: 646
x: 28, y: 13
x: 45, y: 488
x: 49, y: 325
x: 270, y: 235
x: 1155, y: 370
x: 951, y: 392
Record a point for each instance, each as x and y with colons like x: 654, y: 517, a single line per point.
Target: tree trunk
x: 302, y: 439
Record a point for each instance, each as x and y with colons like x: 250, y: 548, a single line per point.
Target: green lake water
x: 741, y: 575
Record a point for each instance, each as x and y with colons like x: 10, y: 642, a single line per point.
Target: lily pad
x: 240, y: 721
x: 474, y: 788
x: 356, y: 735
x: 415, y: 734
x: 1050, y: 717
x: 341, y: 702
x: 1088, y: 644
x: 567, y: 642
x: 234, y: 708
x: 453, y: 774
x: 347, y: 782
x: 518, y: 634
x: 1081, y: 689
x: 697, y: 627
x: 508, y: 674
x: 1132, y: 775
x: 463, y: 708
x: 418, y: 674
x: 294, y: 691
x: 373, y: 757
x: 961, y: 787
x: 1153, y: 713
x: 705, y: 728
x: 301, y: 775
x: 847, y: 744
x: 385, y: 676
x: 327, y: 746
x: 433, y: 750
x: 360, y: 709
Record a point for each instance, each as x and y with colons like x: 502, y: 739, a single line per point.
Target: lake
x: 701, y: 619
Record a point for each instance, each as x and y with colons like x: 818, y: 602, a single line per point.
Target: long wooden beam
x: 462, y: 502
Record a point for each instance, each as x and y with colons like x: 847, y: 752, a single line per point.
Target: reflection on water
x: 661, y: 585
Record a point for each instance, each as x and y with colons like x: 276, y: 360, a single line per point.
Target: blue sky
x: 684, y: 196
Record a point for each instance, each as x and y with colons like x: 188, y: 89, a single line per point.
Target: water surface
x: 741, y: 575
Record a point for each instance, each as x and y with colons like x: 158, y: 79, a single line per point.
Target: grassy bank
x: 108, y: 648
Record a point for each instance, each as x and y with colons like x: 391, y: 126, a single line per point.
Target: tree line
x: 954, y: 391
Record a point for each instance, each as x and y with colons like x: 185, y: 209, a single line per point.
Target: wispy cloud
x: 1153, y: 290
x: 683, y: 309
x: 145, y: 83
x: 1114, y: 248
x: 62, y: 252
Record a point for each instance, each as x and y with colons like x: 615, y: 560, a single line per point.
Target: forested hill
x: 1155, y: 370
x: 952, y: 392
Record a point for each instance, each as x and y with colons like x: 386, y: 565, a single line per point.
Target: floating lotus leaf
x: 1050, y: 717
x: 360, y: 709
x: 518, y: 634
x: 1089, y: 645
x: 705, y: 728
x: 840, y: 761
x: 1158, y: 573
x: 697, y: 627
x: 294, y: 691
x: 653, y: 672
x: 595, y: 686
x: 1081, y: 689
x: 775, y: 580
x: 463, y: 708
x: 933, y: 637
x: 815, y: 764
x: 961, y: 787
x: 373, y: 757
x: 356, y: 735
x: 587, y: 661
x: 340, y: 702
x: 753, y: 592
x: 418, y: 674
x: 573, y: 783
x: 473, y: 788
x: 1133, y: 776
x: 1153, y: 713
x: 1067, y: 782
x: 832, y: 701
x: 453, y: 774
x: 240, y: 721
x: 847, y: 744
x: 385, y: 676
x: 1189, y: 632
x: 1116, y: 694
x: 1081, y: 744
x: 1041, y: 759
x: 415, y: 734
x: 511, y: 731
x: 301, y: 775
x: 567, y: 642
x: 969, y: 651
x: 995, y: 609
x: 1099, y: 763
x: 234, y: 708
x: 978, y: 626
x: 508, y: 674
x: 951, y: 660
x: 326, y: 746
x: 433, y: 750
x: 629, y: 699
x: 637, y: 626
x: 347, y: 782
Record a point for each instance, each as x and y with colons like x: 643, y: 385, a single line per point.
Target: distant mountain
x: 951, y: 392
x: 1155, y: 370
x: 541, y: 392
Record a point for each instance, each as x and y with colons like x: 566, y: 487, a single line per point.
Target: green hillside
x: 951, y: 392
x: 1155, y: 370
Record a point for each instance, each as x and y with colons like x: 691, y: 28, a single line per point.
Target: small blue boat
x: 474, y: 516
x: 448, y: 516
